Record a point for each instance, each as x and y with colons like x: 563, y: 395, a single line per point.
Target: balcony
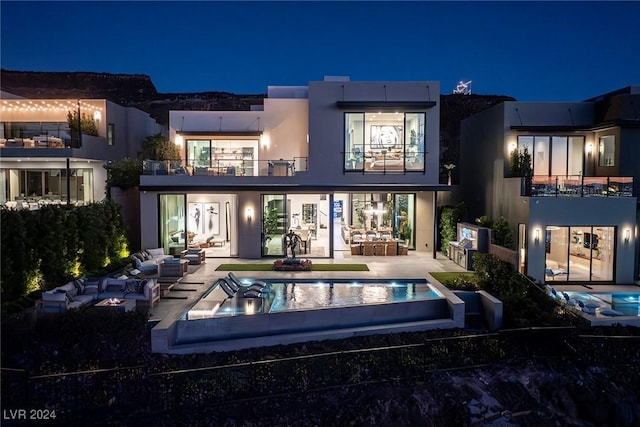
x: 39, y: 140
x: 576, y: 186
x: 238, y: 168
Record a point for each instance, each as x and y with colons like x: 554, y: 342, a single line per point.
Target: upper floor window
x: 554, y: 155
x: 607, y: 150
x: 111, y: 134
x: 384, y: 142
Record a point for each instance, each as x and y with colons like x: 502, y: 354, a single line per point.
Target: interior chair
x: 392, y: 248
x: 368, y: 248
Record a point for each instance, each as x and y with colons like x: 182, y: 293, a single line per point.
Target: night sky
x: 533, y: 51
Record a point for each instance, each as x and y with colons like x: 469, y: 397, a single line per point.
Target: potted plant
x: 270, y: 223
x: 404, y: 228
x: 449, y: 167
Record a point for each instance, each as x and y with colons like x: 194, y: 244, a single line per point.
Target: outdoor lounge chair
x: 252, y: 293
x: 256, y: 284
x: 589, y: 307
x: 224, y: 285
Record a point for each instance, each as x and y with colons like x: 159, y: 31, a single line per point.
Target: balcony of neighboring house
x: 234, y: 165
x: 576, y: 186
x: 38, y: 139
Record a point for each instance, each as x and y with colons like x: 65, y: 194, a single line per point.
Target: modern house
x: 54, y: 150
x: 339, y: 162
x: 573, y: 202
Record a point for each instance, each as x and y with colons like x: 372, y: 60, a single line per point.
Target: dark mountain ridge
x: 138, y: 90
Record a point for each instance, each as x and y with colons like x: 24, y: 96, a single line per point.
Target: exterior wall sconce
x: 536, y: 235
x: 512, y: 147
x: 627, y: 235
x: 589, y: 149
x: 264, y: 140
x: 249, y: 213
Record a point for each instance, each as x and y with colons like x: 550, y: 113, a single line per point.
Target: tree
x: 521, y: 163
x: 124, y: 173
x: 158, y: 147
x: 87, y: 124
x: 502, y: 233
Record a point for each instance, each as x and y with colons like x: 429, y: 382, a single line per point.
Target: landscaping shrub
x: 524, y: 304
x: 42, y: 249
x: 449, y: 219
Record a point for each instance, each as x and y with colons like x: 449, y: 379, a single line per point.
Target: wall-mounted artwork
x: 212, y: 218
x: 195, y: 224
x: 386, y: 136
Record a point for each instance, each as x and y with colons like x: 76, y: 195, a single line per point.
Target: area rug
x: 316, y: 267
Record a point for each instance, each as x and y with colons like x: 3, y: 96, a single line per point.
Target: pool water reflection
x: 304, y: 296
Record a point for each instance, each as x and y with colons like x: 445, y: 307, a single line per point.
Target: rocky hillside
x: 131, y: 90
x: 137, y: 90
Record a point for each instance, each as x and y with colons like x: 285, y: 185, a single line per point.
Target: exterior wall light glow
x: 536, y: 235
x: 512, y: 147
x: 589, y: 149
x: 264, y: 140
x: 627, y: 235
x: 249, y: 213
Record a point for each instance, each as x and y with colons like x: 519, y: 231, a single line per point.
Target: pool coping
x: 599, y: 319
x: 163, y: 335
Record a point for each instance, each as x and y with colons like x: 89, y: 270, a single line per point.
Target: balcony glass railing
x: 385, y: 162
x: 39, y: 139
x: 577, y: 186
x: 240, y: 167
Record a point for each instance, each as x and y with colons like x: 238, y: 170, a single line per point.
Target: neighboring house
x: 43, y: 157
x: 329, y: 160
x: 576, y: 218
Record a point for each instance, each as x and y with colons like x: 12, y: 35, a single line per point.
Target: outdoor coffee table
x: 123, y: 305
x: 167, y: 283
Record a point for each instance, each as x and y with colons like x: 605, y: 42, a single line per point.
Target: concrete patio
x: 200, y: 277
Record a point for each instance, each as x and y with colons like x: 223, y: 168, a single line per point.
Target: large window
x: 173, y: 237
x: 607, y: 151
x: 554, y: 155
x: 224, y: 156
x: 384, y: 142
x: 385, y: 213
x: 47, y: 185
x: 579, y: 253
x: 274, y: 224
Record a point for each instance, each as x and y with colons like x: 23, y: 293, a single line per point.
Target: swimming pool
x: 308, y: 295
x: 626, y: 303
x: 603, y: 307
x: 313, y: 307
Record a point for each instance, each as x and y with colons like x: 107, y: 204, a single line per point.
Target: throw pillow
x: 136, y: 261
x: 141, y: 285
x: 147, y: 256
x: 79, y: 284
x: 131, y: 287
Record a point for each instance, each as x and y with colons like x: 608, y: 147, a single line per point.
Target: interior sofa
x: 85, y: 292
x: 147, y: 260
